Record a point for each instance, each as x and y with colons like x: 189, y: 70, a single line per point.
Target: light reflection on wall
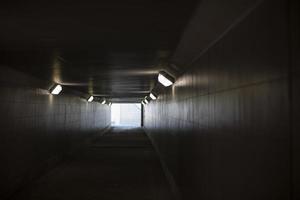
x: 56, y: 70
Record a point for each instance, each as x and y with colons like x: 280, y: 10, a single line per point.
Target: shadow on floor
x: 119, y: 165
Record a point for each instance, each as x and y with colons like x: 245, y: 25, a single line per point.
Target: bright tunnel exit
x: 126, y: 114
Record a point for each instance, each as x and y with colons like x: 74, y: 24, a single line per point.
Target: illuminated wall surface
x: 126, y: 115
x: 39, y: 129
x: 224, y: 128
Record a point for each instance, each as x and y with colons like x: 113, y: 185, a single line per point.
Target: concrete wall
x: 295, y: 97
x: 38, y: 129
x: 223, y: 129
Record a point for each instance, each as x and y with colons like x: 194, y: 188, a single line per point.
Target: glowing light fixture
x: 91, y: 99
x: 103, y: 102
x: 110, y: 103
x: 56, y: 90
x: 143, y: 103
x: 165, y: 79
x: 153, y: 96
x: 146, y: 101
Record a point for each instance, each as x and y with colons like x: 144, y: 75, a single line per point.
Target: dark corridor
x: 121, y: 164
x: 217, y: 84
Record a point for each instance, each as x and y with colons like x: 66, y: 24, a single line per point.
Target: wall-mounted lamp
x: 165, y: 79
x: 91, y: 99
x: 153, y: 96
x: 103, y: 102
x: 56, y: 89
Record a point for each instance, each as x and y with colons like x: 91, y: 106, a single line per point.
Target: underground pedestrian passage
x: 149, y: 100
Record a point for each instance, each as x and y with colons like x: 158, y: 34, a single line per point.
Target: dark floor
x: 119, y: 165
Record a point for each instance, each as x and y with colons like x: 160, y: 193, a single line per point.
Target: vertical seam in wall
x: 290, y: 97
x: 65, y: 124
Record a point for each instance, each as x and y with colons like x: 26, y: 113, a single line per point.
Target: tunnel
x: 150, y: 100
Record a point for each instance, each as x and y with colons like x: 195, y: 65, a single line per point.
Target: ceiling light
x: 146, y: 101
x: 143, y: 103
x: 110, y: 103
x: 91, y: 99
x: 153, y: 96
x: 165, y: 79
x: 56, y: 90
x: 104, y: 101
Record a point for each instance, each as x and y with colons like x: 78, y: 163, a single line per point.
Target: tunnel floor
x: 119, y: 165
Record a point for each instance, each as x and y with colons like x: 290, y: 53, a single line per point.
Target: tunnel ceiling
x: 108, y: 48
